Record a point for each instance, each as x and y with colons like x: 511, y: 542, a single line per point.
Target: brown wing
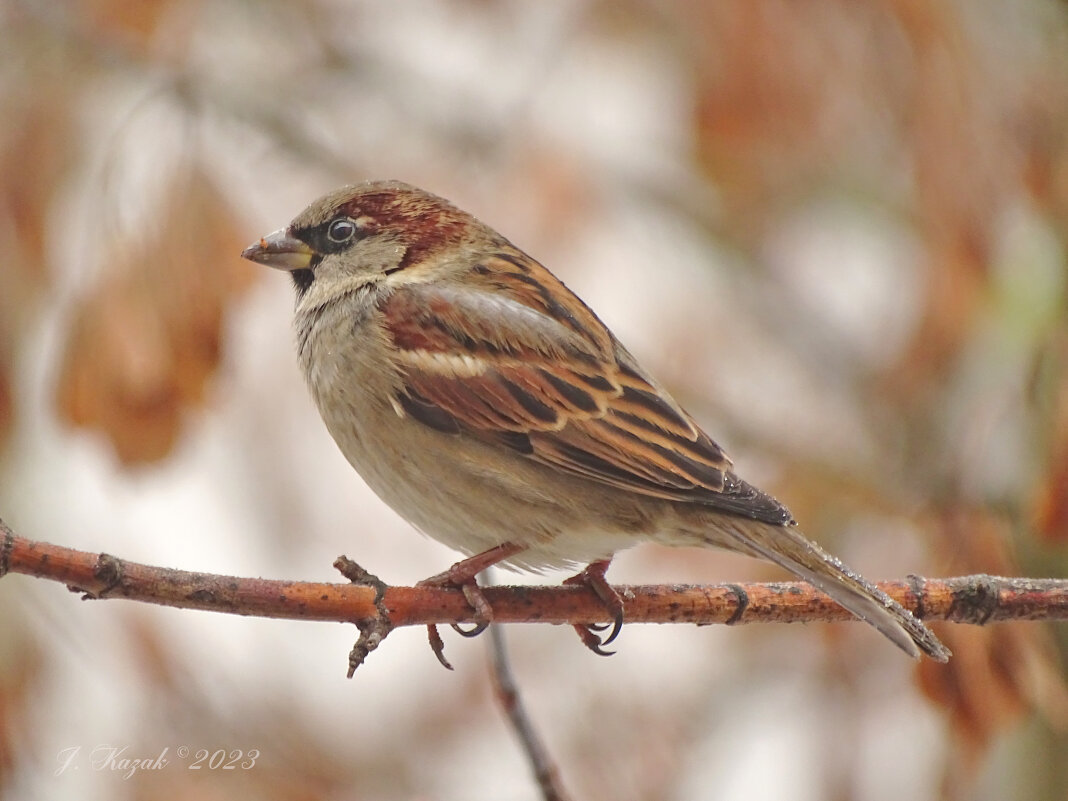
x: 515, y: 358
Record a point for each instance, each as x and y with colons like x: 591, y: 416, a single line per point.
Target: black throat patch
x: 302, y: 279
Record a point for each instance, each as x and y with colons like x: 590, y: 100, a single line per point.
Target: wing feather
x: 515, y: 358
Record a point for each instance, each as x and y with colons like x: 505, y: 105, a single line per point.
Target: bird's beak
x: 281, y: 251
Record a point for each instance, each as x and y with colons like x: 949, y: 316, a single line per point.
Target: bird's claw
x: 594, y: 578
x: 591, y: 640
x: 474, y: 631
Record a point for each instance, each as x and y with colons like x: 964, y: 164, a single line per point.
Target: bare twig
x: 375, y: 630
x: 545, y: 771
x: 975, y: 599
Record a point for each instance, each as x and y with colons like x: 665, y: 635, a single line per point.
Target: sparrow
x: 490, y: 408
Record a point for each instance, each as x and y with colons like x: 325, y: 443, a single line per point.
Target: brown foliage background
x: 836, y: 230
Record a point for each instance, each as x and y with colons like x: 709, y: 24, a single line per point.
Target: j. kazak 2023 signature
x: 126, y: 762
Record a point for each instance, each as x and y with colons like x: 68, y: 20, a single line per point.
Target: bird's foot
x: 462, y: 576
x: 594, y: 578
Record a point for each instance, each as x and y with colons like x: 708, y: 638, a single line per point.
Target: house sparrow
x: 493, y: 410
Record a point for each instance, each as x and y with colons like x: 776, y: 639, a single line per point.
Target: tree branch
x: 546, y: 773
x: 977, y: 599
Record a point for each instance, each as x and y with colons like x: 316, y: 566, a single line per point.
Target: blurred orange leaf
x: 35, y: 151
x: 997, y: 674
x: 21, y: 673
x: 144, y: 26
x: 1050, y: 512
x: 145, y: 342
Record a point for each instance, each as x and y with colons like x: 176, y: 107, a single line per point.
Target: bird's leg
x: 593, y: 577
x: 462, y: 575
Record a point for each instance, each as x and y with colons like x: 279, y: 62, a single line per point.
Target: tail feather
x: 788, y: 548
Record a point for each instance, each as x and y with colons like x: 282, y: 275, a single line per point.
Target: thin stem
x: 541, y: 762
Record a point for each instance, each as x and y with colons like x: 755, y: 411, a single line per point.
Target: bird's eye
x: 341, y: 230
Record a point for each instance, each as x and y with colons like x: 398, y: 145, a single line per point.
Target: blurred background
x: 835, y: 230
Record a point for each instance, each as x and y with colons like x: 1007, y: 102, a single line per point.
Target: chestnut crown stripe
x: 426, y: 224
